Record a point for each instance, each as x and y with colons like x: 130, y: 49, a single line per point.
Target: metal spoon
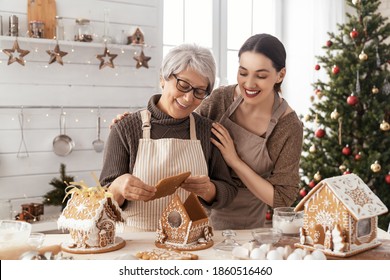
x: 98, y: 144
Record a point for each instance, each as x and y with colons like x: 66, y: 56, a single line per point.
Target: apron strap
x: 192, y: 128
x: 277, y: 112
x: 145, y: 116
x: 232, y: 108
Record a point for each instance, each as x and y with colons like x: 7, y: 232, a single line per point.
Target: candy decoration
x: 352, y: 100
x: 376, y: 167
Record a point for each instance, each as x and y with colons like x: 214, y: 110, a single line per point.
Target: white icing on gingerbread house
x: 91, y: 216
x: 340, y: 216
x: 184, y: 226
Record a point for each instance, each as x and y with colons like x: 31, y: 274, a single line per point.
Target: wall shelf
x: 74, y: 43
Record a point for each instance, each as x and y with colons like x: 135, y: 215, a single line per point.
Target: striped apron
x: 247, y: 211
x: 157, y: 159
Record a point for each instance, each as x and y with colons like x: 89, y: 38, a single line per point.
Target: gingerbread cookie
x: 163, y: 254
x: 168, y: 186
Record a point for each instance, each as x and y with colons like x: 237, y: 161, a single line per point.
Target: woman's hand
x: 201, y: 186
x: 118, y: 118
x: 129, y: 187
x: 225, y: 144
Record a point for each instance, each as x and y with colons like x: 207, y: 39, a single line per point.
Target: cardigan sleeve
x: 285, y: 147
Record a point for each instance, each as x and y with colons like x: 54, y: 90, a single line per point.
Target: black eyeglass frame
x: 194, y: 90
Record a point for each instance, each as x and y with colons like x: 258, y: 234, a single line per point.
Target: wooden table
x: 142, y: 241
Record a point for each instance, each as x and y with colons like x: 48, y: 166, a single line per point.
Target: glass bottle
x: 60, y: 34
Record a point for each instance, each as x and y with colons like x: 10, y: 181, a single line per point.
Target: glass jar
x: 83, y: 30
x: 5, y: 210
x: 37, y: 28
x: 287, y: 220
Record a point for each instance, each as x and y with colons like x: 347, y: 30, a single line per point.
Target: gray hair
x: 197, y: 58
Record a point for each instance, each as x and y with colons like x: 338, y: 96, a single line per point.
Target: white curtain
x: 305, y: 24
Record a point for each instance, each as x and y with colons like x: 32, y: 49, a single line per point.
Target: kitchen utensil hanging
x: 21, y: 153
x: 98, y: 144
x: 62, y: 144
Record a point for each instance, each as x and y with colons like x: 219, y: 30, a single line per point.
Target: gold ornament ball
x: 363, y: 56
x: 376, y: 167
x: 342, y: 168
x: 385, y: 126
x: 374, y: 90
x: 312, y: 98
x: 355, y: 2
x: 334, y: 115
x: 312, y: 149
x: 317, y: 176
x: 307, y: 117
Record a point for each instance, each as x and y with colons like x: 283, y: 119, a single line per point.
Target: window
x: 221, y: 25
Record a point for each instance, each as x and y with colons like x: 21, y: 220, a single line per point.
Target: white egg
x: 240, y: 252
x: 309, y: 257
x: 274, y: 255
x: 294, y: 257
x: 280, y: 250
x: 287, y: 251
x: 318, y: 255
x: 265, y: 247
x: 249, y: 245
x: 257, y: 254
x: 300, y: 251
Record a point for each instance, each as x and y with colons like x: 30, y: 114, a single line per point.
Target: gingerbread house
x: 184, y: 226
x: 340, y: 216
x: 92, y: 218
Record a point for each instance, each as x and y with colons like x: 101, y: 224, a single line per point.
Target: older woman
x: 167, y: 138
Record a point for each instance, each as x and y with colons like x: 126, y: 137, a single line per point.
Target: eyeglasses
x: 185, y: 87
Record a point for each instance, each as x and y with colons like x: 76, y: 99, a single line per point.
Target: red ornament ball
x: 358, y: 156
x: 303, y: 192
x: 320, y: 133
x: 329, y: 43
x: 312, y: 184
x: 387, y: 179
x: 352, y: 100
x: 335, y: 69
x: 346, y: 150
x: 354, y: 34
x: 268, y: 215
x: 317, y: 67
x: 347, y: 172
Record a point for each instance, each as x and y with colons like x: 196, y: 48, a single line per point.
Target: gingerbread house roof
x: 84, y: 209
x: 350, y: 190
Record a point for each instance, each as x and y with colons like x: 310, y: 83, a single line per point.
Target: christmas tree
x: 347, y: 127
x: 56, y: 196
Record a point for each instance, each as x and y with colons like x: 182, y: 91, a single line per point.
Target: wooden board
x: 43, y: 10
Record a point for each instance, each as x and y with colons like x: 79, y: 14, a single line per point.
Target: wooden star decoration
x: 142, y: 60
x: 104, y: 63
x: 12, y: 58
x: 56, y: 55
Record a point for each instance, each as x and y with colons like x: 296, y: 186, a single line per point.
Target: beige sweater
x: 284, y: 145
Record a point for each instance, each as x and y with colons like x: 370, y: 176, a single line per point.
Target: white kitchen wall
x: 79, y: 87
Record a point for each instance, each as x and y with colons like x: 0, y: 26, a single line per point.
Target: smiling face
x: 256, y: 76
x: 178, y: 104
